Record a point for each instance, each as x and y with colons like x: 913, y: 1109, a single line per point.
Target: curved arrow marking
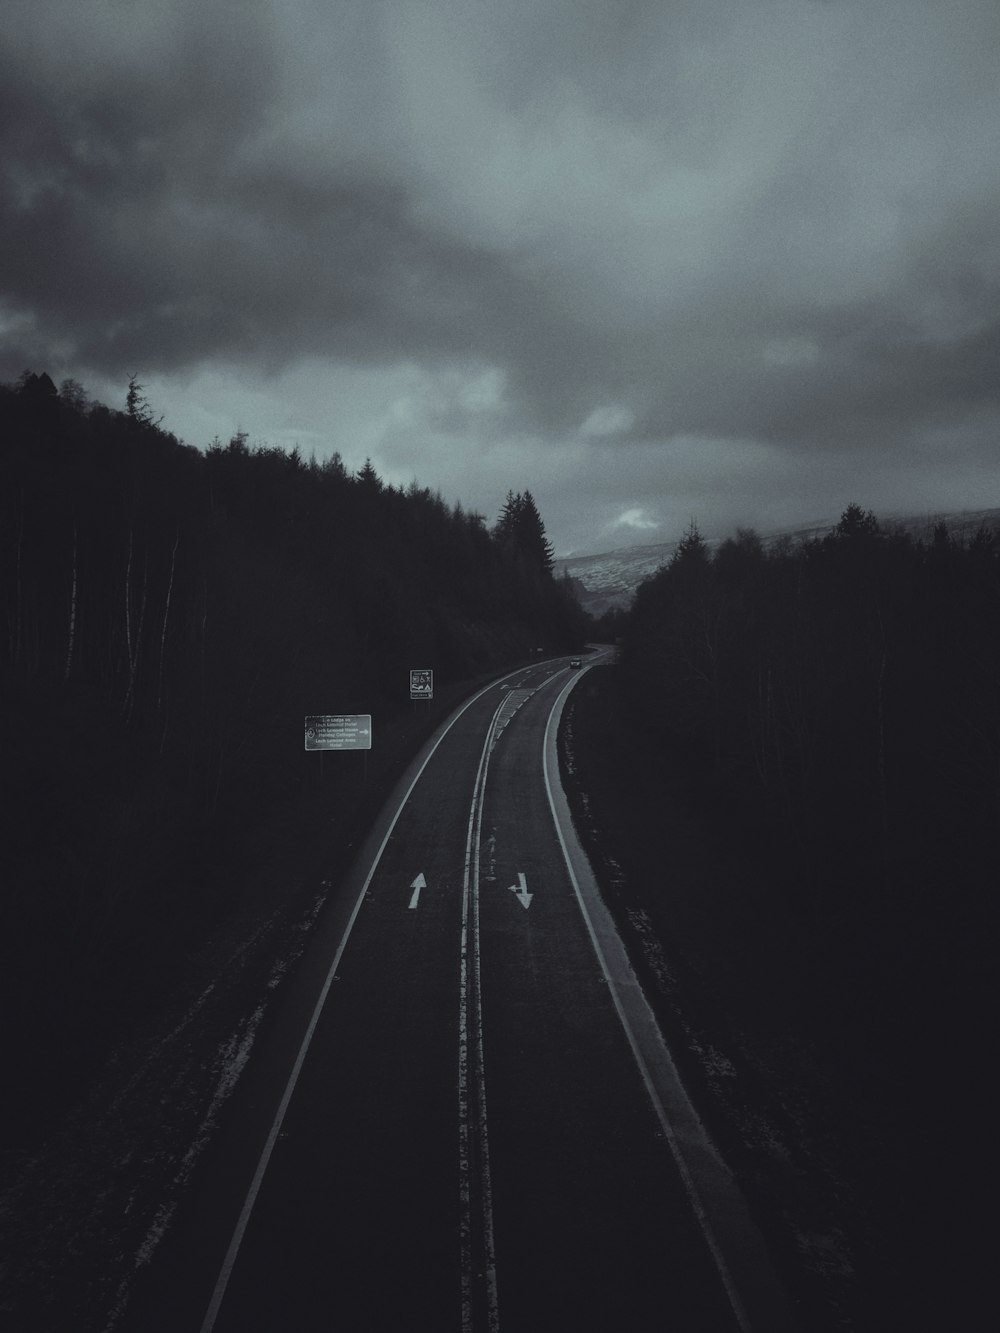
x: 520, y: 891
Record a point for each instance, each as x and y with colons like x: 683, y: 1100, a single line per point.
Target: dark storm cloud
x: 159, y: 214
x: 104, y: 147
x: 771, y: 223
x: 856, y: 378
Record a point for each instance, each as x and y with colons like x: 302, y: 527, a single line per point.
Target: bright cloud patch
x: 636, y: 519
x: 612, y: 419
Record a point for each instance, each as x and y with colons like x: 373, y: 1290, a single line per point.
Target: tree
x: 520, y: 530
x: 39, y: 387
x: 692, y: 549
x: 137, y: 404
x: 857, y: 522
x: 74, y: 395
x: 368, y: 478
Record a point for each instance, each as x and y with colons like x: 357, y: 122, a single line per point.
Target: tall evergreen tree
x: 520, y: 529
x: 857, y: 522
x: 368, y: 478
x: 137, y: 404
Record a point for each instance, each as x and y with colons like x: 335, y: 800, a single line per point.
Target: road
x: 464, y: 1117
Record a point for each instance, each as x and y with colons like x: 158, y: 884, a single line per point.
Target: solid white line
x: 228, y: 1264
x: 690, y: 1186
x: 469, y: 983
x: 492, y: 1302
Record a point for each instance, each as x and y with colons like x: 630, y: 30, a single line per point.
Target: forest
x: 839, y: 700
x: 827, y: 714
x: 170, y: 616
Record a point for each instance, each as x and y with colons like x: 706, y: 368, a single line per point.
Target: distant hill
x: 603, y: 582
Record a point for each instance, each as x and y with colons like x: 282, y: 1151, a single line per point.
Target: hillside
x: 608, y: 580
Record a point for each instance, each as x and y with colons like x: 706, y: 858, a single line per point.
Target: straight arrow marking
x: 520, y: 891
x: 418, y: 884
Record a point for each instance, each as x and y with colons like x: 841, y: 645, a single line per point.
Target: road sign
x: 422, y: 684
x: 352, y: 731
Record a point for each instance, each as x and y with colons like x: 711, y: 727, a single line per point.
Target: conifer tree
x: 369, y: 478
x: 857, y: 522
x: 520, y: 529
x: 137, y: 404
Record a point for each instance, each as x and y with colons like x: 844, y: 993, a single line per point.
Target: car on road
x: 575, y: 662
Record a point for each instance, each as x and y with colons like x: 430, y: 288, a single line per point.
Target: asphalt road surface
x: 463, y: 1117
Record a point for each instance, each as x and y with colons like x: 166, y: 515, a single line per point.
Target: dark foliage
x: 521, y: 534
x: 834, y: 709
x: 169, y: 619
x: 842, y: 696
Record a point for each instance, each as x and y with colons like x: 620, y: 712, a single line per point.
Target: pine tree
x: 137, y: 404
x: 692, y: 549
x: 857, y: 522
x: 520, y: 530
x: 368, y: 478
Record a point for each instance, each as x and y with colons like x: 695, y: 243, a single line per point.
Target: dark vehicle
x: 575, y: 662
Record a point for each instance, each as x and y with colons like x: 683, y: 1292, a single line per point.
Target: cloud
x: 556, y: 234
x: 608, y: 419
x: 636, y: 519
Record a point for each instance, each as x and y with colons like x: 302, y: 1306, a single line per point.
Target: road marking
x: 720, y: 1209
x: 478, y: 1256
x: 418, y: 884
x: 243, y: 1221
x: 513, y: 701
x: 520, y: 891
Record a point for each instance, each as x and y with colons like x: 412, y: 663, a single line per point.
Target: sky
x: 729, y: 261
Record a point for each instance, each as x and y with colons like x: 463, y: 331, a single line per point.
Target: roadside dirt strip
x: 736, y: 1245
x: 464, y: 1115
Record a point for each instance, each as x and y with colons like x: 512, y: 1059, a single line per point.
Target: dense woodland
x: 830, y: 712
x: 170, y: 616
x: 840, y: 700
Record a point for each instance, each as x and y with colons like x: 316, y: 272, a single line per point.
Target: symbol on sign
x: 422, y: 684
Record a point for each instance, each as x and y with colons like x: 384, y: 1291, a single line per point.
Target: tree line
x: 170, y: 615
x: 837, y: 704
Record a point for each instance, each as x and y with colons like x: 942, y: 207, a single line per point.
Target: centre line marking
x: 243, y: 1221
x: 479, y: 1275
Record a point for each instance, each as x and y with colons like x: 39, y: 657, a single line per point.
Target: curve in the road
x: 736, y: 1248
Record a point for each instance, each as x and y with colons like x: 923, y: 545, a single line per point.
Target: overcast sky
x: 730, y: 260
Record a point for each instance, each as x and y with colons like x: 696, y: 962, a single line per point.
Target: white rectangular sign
x: 422, y: 684
x: 351, y: 731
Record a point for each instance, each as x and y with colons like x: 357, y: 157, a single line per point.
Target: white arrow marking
x: 418, y: 884
x: 520, y: 891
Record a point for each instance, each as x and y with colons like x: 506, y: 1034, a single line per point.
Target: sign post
x: 422, y: 684
x: 351, y: 731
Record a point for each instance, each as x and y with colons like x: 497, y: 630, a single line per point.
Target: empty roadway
x: 464, y: 1117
